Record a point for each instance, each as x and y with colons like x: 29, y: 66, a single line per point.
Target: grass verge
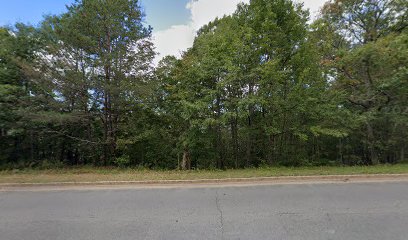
x: 90, y: 174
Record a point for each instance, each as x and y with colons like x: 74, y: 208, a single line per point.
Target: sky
x: 174, y: 22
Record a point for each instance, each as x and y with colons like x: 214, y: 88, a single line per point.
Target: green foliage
x: 122, y: 162
x: 259, y: 87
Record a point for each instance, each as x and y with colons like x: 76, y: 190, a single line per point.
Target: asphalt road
x: 307, y: 211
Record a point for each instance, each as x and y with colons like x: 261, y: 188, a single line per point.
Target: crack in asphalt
x: 288, y: 213
x: 217, y: 203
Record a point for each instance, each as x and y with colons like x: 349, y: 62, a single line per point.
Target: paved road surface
x: 308, y: 211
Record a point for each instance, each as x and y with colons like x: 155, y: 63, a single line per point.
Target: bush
x: 49, y: 164
x: 122, y: 161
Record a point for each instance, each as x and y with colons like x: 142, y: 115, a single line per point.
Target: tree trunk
x: 249, y: 137
x: 234, y: 138
x: 218, y: 142
x: 341, y: 157
x: 371, y: 145
x: 271, y: 149
x: 109, y: 122
x: 32, y: 145
x: 186, y: 162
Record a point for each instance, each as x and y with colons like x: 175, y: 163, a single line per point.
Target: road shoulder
x: 199, y: 183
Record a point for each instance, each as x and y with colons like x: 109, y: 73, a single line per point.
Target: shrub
x: 122, y: 161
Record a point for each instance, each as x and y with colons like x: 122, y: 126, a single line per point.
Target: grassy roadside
x: 88, y: 174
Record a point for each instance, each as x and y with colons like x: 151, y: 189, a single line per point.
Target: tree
x: 102, y: 61
x: 364, y: 64
x: 254, y: 75
x: 18, y: 46
x: 259, y: 87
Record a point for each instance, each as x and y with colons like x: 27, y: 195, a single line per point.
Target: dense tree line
x: 264, y: 86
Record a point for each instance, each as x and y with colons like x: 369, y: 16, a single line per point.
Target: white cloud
x: 314, y: 6
x: 178, y: 38
x: 203, y: 11
x: 173, y: 41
